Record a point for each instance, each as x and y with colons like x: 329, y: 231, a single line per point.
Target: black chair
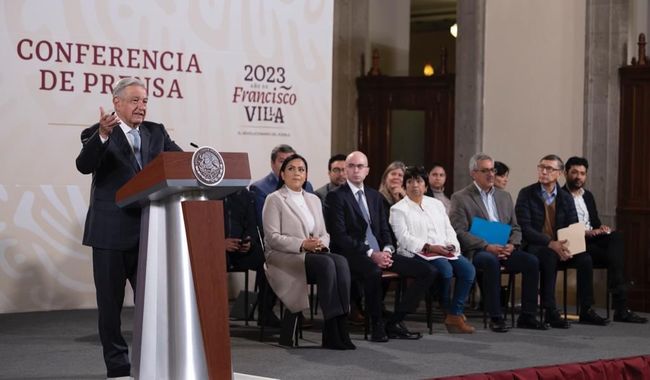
x: 564, y: 268
x: 390, y: 276
x: 260, y: 313
x: 245, y: 272
x: 510, y: 297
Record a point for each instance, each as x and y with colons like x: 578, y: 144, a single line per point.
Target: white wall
x: 390, y: 27
x: 639, y: 23
x: 534, y: 83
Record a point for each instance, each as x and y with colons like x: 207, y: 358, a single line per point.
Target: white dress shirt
x: 581, y: 209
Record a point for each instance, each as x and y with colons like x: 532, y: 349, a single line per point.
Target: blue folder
x: 492, y: 232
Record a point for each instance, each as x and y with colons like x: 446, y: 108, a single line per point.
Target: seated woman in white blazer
x: 297, y: 252
x: 424, y: 232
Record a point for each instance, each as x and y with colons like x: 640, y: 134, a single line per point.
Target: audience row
x: 345, y: 234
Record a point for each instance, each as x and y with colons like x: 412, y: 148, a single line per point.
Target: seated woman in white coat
x: 297, y: 253
x: 424, y: 232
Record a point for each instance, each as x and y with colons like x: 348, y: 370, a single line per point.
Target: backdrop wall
x: 534, y: 83
x: 238, y: 76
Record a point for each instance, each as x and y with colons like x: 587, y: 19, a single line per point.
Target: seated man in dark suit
x: 603, y: 244
x: 359, y: 230
x: 482, y: 199
x: 114, y: 151
x: 244, y: 248
x: 265, y: 186
x: 542, y: 209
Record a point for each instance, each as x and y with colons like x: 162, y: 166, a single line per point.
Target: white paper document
x: 575, y: 237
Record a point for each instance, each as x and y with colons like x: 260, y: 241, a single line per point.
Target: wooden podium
x: 181, y: 309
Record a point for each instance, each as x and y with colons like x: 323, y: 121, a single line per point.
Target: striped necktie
x: 371, y: 240
x: 135, y: 144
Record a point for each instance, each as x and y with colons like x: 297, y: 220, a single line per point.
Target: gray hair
x: 126, y: 82
x: 554, y: 157
x: 473, y: 162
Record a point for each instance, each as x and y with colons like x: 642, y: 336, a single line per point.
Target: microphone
x: 194, y: 145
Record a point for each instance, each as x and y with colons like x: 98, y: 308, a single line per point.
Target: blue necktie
x: 371, y: 240
x: 135, y: 134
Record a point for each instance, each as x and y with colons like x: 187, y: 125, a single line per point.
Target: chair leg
x: 256, y: 290
x: 607, y: 304
x: 246, y: 298
x: 511, y: 287
x: 401, y: 285
x: 428, y: 302
x: 299, y: 329
x: 260, y: 314
x: 311, y: 302
x: 564, y: 293
x: 366, y: 327
x: 483, y: 301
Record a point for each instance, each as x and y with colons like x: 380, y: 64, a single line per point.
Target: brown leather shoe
x: 356, y: 317
x: 455, y: 324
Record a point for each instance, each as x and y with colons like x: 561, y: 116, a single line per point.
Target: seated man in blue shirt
x: 482, y: 199
x: 542, y: 209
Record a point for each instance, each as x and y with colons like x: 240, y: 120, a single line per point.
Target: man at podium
x: 113, y: 151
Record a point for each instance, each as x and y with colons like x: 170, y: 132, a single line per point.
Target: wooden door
x: 633, y: 208
x: 389, y: 108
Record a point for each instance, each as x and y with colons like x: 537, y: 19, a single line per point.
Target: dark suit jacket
x: 265, y: 186
x: 346, y: 224
x: 240, y: 220
x: 591, y: 207
x: 530, y: 213
x: 467, y: 203
x: 112, y: 165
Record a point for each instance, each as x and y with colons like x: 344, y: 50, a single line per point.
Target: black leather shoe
x: 498, y: 325
x: 397, y: 330
x: 555, y: 320
x: 528, y: 321
x: 590, y: 317
x: 629, y: 316
x: 378, y: 332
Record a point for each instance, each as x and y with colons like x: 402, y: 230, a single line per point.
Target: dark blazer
x: 240, y: 221
x: 265, y: 186
x: 113, y: 164
x: 530, y: 213
x: 591, y: 207
x: 346, y: 224
x: 467, y: 203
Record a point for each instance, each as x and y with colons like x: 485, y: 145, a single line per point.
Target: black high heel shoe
x: 331, y: 335
x: 344, y: 334
x: 289, y: 329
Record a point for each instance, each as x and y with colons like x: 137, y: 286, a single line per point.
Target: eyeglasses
x: 543, y: 168
x: 486, y: 170
x: 299, y: 169
x: 336, y: 170
x: 357, y: 166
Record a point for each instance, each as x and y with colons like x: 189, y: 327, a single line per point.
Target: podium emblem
x: 208, y: 166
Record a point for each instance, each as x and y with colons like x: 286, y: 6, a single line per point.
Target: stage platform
x: 65, y: 345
